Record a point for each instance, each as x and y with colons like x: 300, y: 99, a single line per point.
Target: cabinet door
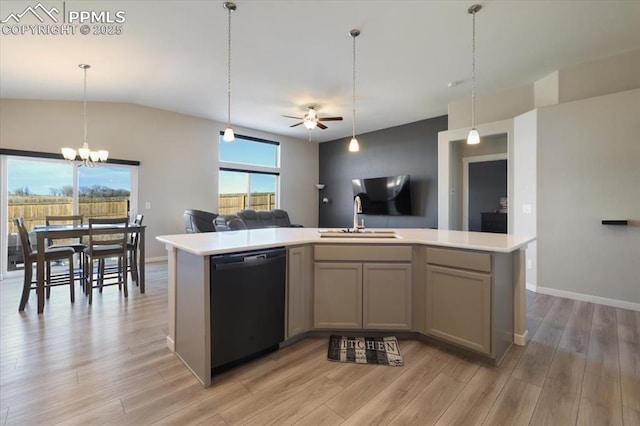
x: 386, y: 299
x: 299, y: 305
x: 338, y: 295
x: 459, y: 307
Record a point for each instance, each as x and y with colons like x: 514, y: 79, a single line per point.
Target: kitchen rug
x: 365, y: 350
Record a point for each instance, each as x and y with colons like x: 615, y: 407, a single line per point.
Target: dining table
x: 76, y: 231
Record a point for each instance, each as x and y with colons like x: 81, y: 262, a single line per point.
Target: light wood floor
x: 108, y: 364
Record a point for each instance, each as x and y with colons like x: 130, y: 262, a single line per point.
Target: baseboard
x: 156, y: 259
x: 520, y: 339
x: 171, y: 344
x: 589, y: 298
x: 531, y: 287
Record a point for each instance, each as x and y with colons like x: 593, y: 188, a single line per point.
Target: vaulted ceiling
x: 288, y: 55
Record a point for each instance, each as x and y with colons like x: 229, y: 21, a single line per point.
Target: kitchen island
x: 466, y: 289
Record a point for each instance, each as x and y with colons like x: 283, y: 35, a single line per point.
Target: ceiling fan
x: 311, y: 119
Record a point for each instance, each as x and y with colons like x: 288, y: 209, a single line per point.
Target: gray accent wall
x: 408, y: 149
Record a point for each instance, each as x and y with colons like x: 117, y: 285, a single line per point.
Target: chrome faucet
x: 357, y: 208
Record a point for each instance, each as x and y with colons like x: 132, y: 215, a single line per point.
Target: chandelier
x: 88, y: 157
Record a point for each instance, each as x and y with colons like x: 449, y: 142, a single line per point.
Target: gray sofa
x: 196, y: 221
x: 251, y: 219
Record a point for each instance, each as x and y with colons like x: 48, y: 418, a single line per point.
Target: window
x: 36, y: 186
x: 249, y: 172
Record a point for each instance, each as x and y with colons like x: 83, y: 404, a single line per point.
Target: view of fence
x: 233, y: 203
x: 34, y: 209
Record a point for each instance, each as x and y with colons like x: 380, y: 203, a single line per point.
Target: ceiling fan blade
x: 322, y: 126
x: 297, y: 124
x: 290, y: 116
x: 330, y: 119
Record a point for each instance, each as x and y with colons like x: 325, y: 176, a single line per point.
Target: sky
x: 40, y: 176
x: 247, y: 152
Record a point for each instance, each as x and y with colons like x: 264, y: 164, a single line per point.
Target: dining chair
x: 75, y: 243
x: 50, y: 254
x: 108, y: 238
x: 132, y: 250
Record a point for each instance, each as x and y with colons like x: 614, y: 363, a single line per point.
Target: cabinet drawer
x: 366, y: 253
x: 459, y: 259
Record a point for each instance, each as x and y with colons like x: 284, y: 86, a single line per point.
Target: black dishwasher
x: 247, y: 305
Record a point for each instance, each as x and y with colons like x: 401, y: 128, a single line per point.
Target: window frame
x: 229, y: 166
x: 6, y: 154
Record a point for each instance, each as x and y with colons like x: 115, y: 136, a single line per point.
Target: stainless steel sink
x: 361, y: 233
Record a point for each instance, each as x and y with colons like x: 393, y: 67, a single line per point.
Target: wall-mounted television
x: 387, y: 196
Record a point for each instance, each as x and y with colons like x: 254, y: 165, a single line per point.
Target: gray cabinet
x: 386, y: 296
x: 469, y: 299
x: 459, y: 307
x: 338, y: 295
x: 299, y: 290
x: 353, y: 290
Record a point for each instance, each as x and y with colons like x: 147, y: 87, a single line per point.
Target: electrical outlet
x: 527, y: 208
x: 147, y: 205
x: 529, y: 264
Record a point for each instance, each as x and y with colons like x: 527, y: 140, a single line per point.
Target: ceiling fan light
x: 474, y: 137
x: 228, y: 135
x: 309, y: 123
x: 353, y: 145
x: 312, y: 114
x: 103, y: 154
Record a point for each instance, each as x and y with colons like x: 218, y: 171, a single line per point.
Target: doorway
x: 485, y: 193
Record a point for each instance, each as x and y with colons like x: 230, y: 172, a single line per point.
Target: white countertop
x: 211, y: 243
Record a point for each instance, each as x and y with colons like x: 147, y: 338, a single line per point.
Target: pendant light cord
x: 85, y: 105
x: 473, y: 72
x: 353, y: 123
x: 229, y: 71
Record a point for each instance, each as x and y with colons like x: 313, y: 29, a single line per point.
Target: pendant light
x: 228, y: 132
x: 88, y: 158
x: 474, y: 137
x: 353, y: 145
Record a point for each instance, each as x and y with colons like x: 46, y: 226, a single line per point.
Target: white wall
x: 546, y: 90
x: 588, y: 169
x: 607, y: 75
x: 524, y: 187
x: 581, y: 81
x: 178, y: 155
x: 491, y: 107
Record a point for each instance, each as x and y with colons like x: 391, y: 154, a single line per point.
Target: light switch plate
x: 147, y: 205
